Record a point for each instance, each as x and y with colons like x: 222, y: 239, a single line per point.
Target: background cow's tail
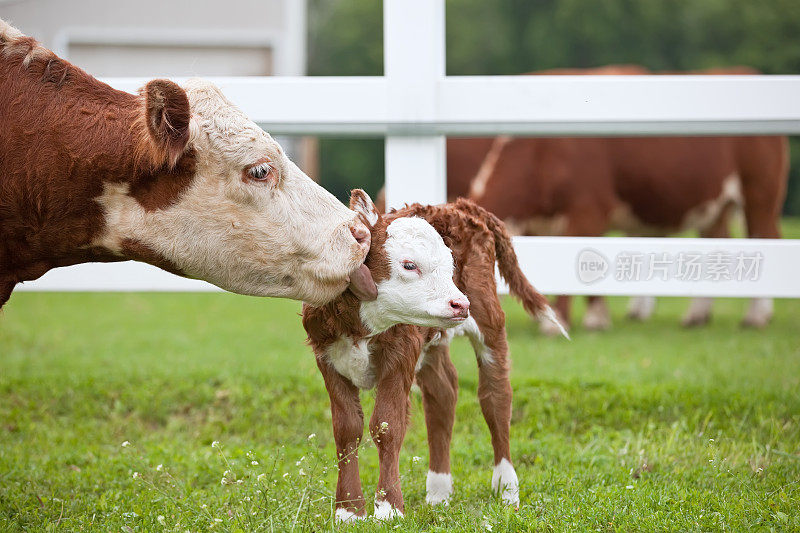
x: 534, y: 302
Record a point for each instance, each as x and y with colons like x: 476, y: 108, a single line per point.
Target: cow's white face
x: 419, y: 289
x: 251, y: 221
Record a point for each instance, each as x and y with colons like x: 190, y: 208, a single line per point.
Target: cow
x: 175, y: 176
x: 428, y: 291
x: 644, y: 186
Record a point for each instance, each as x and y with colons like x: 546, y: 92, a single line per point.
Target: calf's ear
x: 167, y: 115
x: 361, y: 203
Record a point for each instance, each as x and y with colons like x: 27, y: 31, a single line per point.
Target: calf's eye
x: 409, y: 265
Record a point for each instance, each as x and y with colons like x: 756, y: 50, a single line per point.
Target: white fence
x: 414, y: 105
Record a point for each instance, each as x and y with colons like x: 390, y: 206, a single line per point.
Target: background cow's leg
x: 765, y: 168
x: 699, y: 312
x: 388, y: 429
x: 597, y: 316
x: 348, y: 427
x: 438, y: 380
x: 641, y: 307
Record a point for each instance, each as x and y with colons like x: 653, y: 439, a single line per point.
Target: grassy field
x: 646, y: 427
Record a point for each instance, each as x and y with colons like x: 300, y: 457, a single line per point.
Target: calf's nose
x: 460, y: 307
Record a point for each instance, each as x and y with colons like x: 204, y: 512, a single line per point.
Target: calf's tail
x: 534, y: 302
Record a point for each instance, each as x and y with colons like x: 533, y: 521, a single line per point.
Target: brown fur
x: 66, y: 134
x: 477, y: 240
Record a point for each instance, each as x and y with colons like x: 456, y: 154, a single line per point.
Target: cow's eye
x: 409, y: 265
x: 261, y: 172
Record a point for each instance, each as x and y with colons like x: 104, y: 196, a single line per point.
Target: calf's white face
x: 420, y: 288
x: 251, y: 221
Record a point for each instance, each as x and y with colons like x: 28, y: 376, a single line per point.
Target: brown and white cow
x: 645, y: 186
x: 174, y: 176
x: 386, y: 343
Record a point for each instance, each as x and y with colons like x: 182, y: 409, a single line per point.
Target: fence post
x: 414, y: 65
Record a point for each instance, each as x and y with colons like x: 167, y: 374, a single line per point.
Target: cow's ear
x: 361, y: 203
x: 167, y: 114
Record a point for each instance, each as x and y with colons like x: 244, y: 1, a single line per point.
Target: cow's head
x: 239, y: 214
x: 413, y: 270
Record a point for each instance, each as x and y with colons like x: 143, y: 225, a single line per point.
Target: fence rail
x: 414, y: 105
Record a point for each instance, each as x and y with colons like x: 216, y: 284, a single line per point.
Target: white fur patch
x: 385, y: 511
x: 597, y: 317
x: 759, y: 313
x: 353, y: 361
x: 420, y: 297
x: 439, y: 488
x: 504, y: 479
x: 344, y: 515
x: 699, y: 311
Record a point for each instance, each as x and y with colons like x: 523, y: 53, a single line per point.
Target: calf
x: 422, y: 303
x: 174, y: 176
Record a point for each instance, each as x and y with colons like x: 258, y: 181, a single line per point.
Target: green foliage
x: 516, y: 36
x: 646, y: 427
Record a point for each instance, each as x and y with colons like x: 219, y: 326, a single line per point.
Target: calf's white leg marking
x: 385, y: 511
x: 504, y: 479
x: 343, y: 515
x: 439, y: 488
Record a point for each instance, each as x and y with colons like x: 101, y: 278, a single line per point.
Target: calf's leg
x: 348, y: 428
x: 388, y: 429
x: 438, y: 379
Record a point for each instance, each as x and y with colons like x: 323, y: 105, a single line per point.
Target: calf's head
x: 238, y: 213
x: 413, y: 270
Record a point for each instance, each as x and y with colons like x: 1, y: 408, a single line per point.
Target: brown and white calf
x: 427, y: 293
x: 175, y: 176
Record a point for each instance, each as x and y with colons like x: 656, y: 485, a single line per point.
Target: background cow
x: 643, y: 186
x: 176, y: 177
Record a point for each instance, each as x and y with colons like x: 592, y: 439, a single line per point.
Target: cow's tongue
x: 362, y: 285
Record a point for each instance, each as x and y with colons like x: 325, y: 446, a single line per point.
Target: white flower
x: 204, y: 506
x: 629, y: 487
x: 126, y: 444
x: 218, y: 520
x: 302, y: 472
x: 384, y: 425
x: 161, y: 520
x: 286, y: 474
x: 416, y: 459
x: 254, y: 463
x: 215, y: 444
x: 312, y: 436
x: 160, y: 468
x: 261, y: 477
x: 136, y: 475
x: 239, y: 481
x: 226, y: 473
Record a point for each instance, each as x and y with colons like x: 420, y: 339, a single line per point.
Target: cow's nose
x: 360, y: 233
x: 460, y: 307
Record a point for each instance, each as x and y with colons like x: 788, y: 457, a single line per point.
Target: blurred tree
x: 516, y: 36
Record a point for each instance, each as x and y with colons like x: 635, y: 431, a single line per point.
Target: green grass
x: 645, y: 427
